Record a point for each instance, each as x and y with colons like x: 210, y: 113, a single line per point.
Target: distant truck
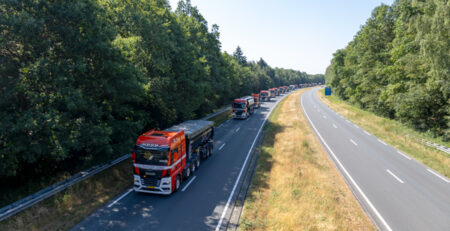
x: 272, y: 92
x: 257, y: 99
x: 265, y: 95
x: 162, y: 159
x: 291, y: 87
x: 243, y: 107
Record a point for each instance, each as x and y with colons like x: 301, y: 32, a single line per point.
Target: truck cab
x: 161, y: 159
x: 272, y: 92
x: 243, y: 107
x: 257, y: 99
x: 264, y: 95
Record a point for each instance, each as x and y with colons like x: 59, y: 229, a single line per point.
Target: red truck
x: 162, y: 159
x: 272, y: 92
x: 243, y: 107
x: 257, y: 99
x: 265, y: 95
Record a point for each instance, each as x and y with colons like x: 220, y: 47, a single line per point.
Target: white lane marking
x: 222, y: 146
x: 334, y: 125
x: 356, y: 126
x: 353, y: 142
x: 367, y: 133
x: 324, y: 117
x: 240, y: 173
x: 382, y: 142
x: 347, y: 174
x: 238, y: 129
x: 443, y: 178
x: 189, y: 183
x: 392, y: 174
x: 247, y: 118
x: 404, y: 155
x: 120, y: 198
x: 219, y: 126
x: 347, y: 121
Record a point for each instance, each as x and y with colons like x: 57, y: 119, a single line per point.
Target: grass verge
x: 67, y: 208
x: 295, y: 185
x: 394, y: 133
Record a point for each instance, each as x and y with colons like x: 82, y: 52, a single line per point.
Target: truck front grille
x: 150, y: 181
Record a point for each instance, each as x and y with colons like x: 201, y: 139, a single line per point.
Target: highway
x: 205, y: 200
x: 396, y: 191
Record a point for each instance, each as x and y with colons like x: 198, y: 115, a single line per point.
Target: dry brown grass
x: 69, y: 207
x: 393, y: 133
x: 296, y: 186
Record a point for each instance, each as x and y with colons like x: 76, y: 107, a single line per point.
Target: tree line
x: 80, y: 80
x: 398, y: 65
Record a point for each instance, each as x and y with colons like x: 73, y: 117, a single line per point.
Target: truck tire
x: 177, y: 183
x: 210, y: 150
x: 187, y: 173
x: 197, y: 163
x: 193, y: 168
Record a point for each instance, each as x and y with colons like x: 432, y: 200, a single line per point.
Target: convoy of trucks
x: 163, y: 159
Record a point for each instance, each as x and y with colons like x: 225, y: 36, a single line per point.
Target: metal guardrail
x: 216, y: 113
x: 437, y: 146
x: 45, y: 193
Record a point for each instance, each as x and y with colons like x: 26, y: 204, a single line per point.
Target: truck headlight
x: 137, y: 179
x: 166, y: 181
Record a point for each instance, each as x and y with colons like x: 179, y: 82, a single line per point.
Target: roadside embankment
x: 295, y: 185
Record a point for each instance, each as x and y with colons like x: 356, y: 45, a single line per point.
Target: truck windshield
x: 238, y: 105
x: 151, y: 156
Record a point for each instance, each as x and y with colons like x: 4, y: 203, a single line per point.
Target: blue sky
x: 301, y: 35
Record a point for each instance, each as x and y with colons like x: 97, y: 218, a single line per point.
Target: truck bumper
x: 164, y: 188
x: 242, y: 116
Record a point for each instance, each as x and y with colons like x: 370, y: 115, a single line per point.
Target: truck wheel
x: 193, y: 168
x: 210, y: 149
x: 188, y: 173
x: 197, y: 164
x: 177, y: 183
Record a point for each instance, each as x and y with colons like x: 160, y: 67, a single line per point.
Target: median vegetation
x: 394, y: 133
x: 295, y: 185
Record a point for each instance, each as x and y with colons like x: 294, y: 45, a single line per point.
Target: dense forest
x: 398, y: 65
x: 80, y: 80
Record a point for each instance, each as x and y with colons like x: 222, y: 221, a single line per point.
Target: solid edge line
x: 189, y: 183
x: 242, y: 169
x: 346, y: 173
x: 396, y: 177
x: 120, y: 198
x: 442, y: 178
x: 382, y: 142
x: 367, y: 133
x: 223, y: 145
x: 404, y: 155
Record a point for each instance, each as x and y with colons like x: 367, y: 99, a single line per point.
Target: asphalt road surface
x: 396, y: 191
x: 205, y: 199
